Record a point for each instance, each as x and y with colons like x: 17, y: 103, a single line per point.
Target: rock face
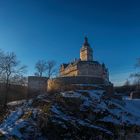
x: 72, y: 83
x: 79, y: 114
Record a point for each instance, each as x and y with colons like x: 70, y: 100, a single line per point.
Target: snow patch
x: 14, y: 103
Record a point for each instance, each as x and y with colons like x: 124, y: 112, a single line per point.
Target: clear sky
x: 55, y: 29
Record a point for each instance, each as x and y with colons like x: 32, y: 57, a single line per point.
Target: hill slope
x: 80, y: 114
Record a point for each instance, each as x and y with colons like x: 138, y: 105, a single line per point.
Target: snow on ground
x: 70, y: 94
x: 16, y: 103
x: 119, y: 111
x: 20, y: 122
x: 122, y: 111
x: 81, y: 122
x: 90, y: 85
x: 8, y: 126
x: 133, y: 106
x: 125, y: 111
x: 94, y: 94
x: 71, y: 119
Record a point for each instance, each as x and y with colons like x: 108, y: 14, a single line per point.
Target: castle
x: 84, y: 71
x: 85, y: 66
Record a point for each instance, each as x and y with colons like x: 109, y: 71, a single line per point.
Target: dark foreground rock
x: 71, y: 115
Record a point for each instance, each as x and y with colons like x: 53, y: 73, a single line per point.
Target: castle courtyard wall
x: 37, y: 85
x: 94, y: 70
x: 63, y: 82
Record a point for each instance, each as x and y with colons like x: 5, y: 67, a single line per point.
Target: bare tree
x: 51, y: 68
x: 138, y: 63
x: 136, y: 75
x: 127, y: 83
x: 1, y: 61
x: 45, y: 68
x: 41, y: 68
x: 10, y: 68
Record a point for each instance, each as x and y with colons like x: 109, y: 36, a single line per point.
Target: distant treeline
x: 126, y: 89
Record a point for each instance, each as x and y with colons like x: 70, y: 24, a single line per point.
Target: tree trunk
x: 6, y: 92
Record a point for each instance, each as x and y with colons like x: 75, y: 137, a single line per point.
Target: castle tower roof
x: 86, y: 52
x: 86, y: 42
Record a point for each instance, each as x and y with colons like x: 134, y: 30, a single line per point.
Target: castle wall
x: 88, y: 69
x: 85, y: 68
x: 63, y: 82
x: 81, y: 71
x: 71, y: 70
x: 37, y: 85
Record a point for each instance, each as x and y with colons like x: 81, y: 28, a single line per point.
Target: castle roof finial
x: 86, y: 41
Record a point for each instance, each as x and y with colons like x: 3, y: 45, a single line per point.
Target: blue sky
x: 55, y: 30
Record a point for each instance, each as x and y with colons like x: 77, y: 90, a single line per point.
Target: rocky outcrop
x: 79, y: 114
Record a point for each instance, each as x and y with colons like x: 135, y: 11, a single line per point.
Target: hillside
x: 79, y: 114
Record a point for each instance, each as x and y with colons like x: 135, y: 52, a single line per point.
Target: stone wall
x: 62, y: 83
x: 71, y: 70
x: 85, y: 68
x: 37, y: 85
x: 16, y: 92
x: 90, y: 69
